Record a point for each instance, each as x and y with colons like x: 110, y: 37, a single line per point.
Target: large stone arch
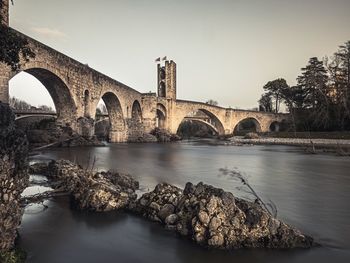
x: 117, y: 131
x: 257, y: 123
x: 63, y: 98
x: 216, y: 122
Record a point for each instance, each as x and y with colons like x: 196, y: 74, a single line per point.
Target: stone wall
x: 5, y: 12
x: 13, y: 176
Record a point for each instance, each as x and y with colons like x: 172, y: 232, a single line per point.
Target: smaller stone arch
x: 252, y: 125
x: 87, y: 103
x: 136, y: 112
x: 117, y: 131
x: 274, y: 126
x: 204, y: 116
x: 161, y: 116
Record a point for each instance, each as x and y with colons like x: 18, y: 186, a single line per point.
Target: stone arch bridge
x: 76, y: 90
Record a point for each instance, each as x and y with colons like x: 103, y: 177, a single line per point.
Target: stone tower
x: 5, y: 12
x: 167, y: 80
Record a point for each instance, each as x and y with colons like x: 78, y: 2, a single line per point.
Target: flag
x: 157, y: 60
x: 164, y: 58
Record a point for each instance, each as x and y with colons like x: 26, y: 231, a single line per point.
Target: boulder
x: 99, y: 192
x: 214, y: 218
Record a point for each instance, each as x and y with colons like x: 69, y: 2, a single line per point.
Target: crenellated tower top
x: 167, y: 80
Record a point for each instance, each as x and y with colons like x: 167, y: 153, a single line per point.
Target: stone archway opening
x: 161, y: 116
x: 274, y: 126
x: 102, y: 122
x: 49, y: 89
x: 247, y: 125
x: 200, y: 123
x: 117, y: 127
x: 136, y: 112
x: 28, y: 93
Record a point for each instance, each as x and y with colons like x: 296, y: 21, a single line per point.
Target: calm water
x: 312, y: 192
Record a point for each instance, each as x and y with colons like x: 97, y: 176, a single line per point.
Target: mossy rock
x: 14, y: 256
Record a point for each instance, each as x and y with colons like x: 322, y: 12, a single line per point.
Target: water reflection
x: 310, y: 191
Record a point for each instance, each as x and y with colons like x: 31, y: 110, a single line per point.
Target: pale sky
x: 225, y: 50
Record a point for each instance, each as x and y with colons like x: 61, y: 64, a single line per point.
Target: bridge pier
x: 117, y: 136
x: 86, y: 127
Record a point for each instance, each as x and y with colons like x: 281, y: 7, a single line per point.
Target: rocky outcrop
x: 13, y: 177
x: 164, y: 136
x: 214, y: 218
x: 78, y: 140
x: 100, y: 192
x: 142, y: 138
x: 251, y: 135
x: 209, y: 216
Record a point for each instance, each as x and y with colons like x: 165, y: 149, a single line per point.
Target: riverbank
x: 324, y: 143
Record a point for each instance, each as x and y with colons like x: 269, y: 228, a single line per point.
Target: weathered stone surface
x: 150, y: 204
x: 100, y: 192
x: 214, y: 218
x: 13, y: 176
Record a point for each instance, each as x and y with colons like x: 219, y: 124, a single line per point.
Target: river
x: 311, y: 192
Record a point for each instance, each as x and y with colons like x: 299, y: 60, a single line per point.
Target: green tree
x: 313, y: 83
x: 275, y: 89
x: 265, y: 102
x: 13, y: 47
x: 339, y: 74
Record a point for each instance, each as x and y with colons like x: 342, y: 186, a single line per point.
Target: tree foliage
x: 275, y: 90
x: 13, y: 46
x: 265, y: 102
x: 22, y: 105
x: 321, y: 98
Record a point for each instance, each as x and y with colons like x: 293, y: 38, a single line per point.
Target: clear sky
x: 225, y: 50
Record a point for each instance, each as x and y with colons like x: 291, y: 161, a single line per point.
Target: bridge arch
x: 213, y: 123
x: 279, y: 125
x: 274, y: 126
x: 136, y: 112
x: 63, y: 99
x: 249, y: 121
x: 117, y: 131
